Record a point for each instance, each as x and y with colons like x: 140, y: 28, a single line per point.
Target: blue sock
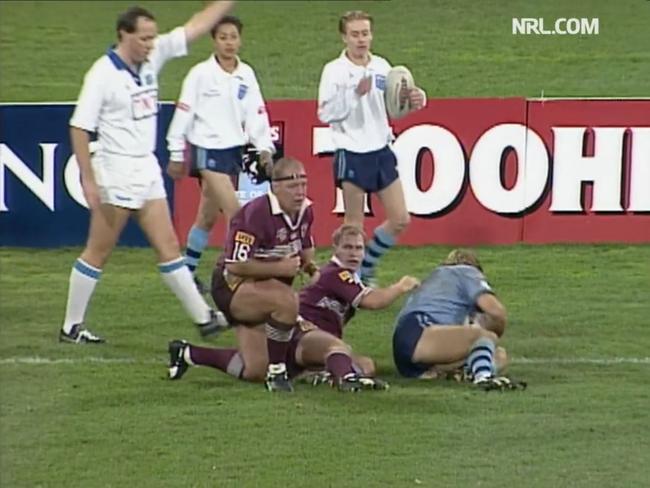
x: 380, y: 243
x: 480, y: 361
x: 197, y: 240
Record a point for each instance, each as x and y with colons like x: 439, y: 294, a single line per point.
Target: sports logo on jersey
x: 244, y: 238
x: 243, y: 89
x: 212, y: 163
x: 380, y: 82
x: 144, y: 103
x: 281, y: 234
x: 346, y: 276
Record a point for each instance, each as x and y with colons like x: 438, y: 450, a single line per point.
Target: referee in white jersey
x: 119, y: 101
x: 219, y: 110
x: 351, y: 101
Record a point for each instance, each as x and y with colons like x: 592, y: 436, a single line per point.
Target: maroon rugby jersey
x: 260, y: 229
x: 330, y: 302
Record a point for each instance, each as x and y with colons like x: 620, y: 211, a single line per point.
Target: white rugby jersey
x: 218, y: 110
x: 120, y: 105
x: 359, y: 124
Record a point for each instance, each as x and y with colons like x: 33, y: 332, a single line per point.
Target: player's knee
x: 286, y: 300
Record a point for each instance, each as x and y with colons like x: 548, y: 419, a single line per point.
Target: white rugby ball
x: 396, y: 78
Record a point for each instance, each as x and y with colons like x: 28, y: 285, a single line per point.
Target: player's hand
x: 364, y: 86
x: 314, y: 278
x: 408, y: 283
x: 416, y: 98
x: 90, y: 191
x: 265, y: 166
x: 175, y: 170
x: 288, y: 266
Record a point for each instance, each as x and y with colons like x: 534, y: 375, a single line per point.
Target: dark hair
x: 228, y: 19
x: 126, y: 21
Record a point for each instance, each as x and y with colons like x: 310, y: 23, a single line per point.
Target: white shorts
x: 126, y: 181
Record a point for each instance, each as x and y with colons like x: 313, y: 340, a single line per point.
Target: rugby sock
x: 380, y: 243
x: 227, y: 360
x: 339, y: 364
x: 177, y: 276
x: 83, y: 279
x: 278, y: 335
x: 481, y: 359
x: 197, y: 240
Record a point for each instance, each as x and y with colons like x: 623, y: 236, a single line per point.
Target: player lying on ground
x: 431, y: 335
x: 326, y: 305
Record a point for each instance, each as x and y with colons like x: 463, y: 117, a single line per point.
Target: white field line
x: 38, y: 360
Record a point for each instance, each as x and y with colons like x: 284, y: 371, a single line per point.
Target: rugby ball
x: 397, y: 77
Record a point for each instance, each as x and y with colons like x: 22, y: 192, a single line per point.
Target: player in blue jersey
x: 453, y: 320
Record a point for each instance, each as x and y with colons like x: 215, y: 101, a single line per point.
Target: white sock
x: 179, y: 279
x: 83, y: 279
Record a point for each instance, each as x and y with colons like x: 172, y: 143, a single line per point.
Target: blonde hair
x: 285, y: 167
x: 347, y: 230
x: 353, y: 15
x: 462, y: 256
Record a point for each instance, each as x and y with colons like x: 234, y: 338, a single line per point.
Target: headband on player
x: 293, y: 176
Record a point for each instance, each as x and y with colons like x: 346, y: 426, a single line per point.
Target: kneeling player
x: 432, y: 336
x: 325, y: 307
x: 268, y: 241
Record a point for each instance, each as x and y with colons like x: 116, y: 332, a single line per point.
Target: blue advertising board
x: 41, y: 204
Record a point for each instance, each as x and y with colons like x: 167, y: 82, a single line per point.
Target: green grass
x: 580, y: 424
x: 456, y: 48
x: 96, y: 424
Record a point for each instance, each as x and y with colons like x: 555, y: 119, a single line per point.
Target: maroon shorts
x: 222, y: 293
x: 303, y: 328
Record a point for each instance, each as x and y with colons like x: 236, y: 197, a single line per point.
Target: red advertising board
x: 490, y: 171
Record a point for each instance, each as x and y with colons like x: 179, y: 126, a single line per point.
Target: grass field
x: 74, y: 421
x: 456, y: 48
x: 105, y: 416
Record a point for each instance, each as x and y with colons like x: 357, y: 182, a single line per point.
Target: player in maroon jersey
x: 325, y: 307
x: 269, y: 241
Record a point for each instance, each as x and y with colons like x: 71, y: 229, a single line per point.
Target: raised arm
x: 201, y: 22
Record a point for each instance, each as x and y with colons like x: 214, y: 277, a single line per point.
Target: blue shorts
x: 372, y: 171
x: 227, y: 161
x: 405, y: 337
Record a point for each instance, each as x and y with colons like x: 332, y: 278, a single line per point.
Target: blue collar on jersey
x: 120, y: 64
